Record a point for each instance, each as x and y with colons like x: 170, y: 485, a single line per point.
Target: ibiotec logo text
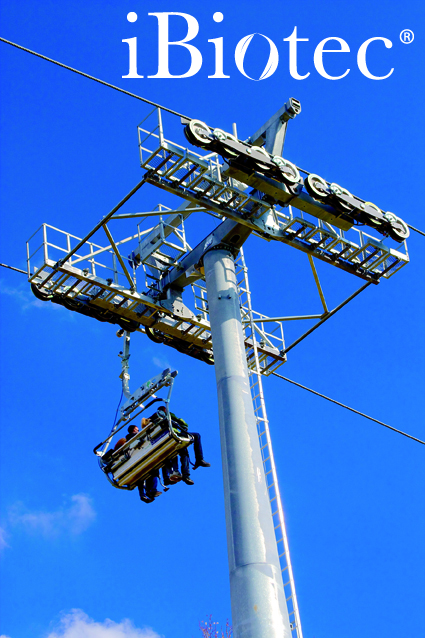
x: 330, y: 45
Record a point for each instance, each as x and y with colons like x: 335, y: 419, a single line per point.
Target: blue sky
x: 81, y: 559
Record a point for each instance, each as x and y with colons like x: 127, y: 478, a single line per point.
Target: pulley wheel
x: 316, y: 186
x: 370, y: 217
x: 221, y: 135
x: 337, y: 190
x: 258, y: 151
x: 399, y: 230
x: 288, y: 170
x: 198, y: 133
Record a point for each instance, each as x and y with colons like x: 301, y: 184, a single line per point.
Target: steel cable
x: 138, y: 97
x: 323, y: 396
x: 117, y: 88
x: 91, y: 77
x: 342, y: 405
x: 13, y: 268
x: 421, y: 232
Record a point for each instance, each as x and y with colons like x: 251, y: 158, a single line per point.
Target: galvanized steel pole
x: 257, y: 595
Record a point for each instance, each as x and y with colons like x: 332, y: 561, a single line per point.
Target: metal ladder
x: 257, y: 395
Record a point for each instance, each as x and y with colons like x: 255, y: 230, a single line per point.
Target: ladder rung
x: 258, y: 363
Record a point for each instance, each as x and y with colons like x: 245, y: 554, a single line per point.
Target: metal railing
x: 198, y: 178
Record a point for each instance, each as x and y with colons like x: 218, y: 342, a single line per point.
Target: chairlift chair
x: 152, y: 446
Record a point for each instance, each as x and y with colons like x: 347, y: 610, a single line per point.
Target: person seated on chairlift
x: 170, y: 471
x: 148, y: 488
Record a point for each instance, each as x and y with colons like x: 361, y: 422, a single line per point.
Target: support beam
x: 100, y: 224
x: 272, y: 134
x: 257, y: 595
x: 319, y: 287
x: 326, y: 317
x: 295, y: 318
x: 107, y: 248
x: 120, y: 259
x: 157, y: 213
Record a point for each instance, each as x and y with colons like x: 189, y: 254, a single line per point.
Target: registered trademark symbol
x: 407, y: 36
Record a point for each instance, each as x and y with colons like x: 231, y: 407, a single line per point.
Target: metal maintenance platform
x: 96, y: 279
x: 200, y: 180
x: 96, y: 282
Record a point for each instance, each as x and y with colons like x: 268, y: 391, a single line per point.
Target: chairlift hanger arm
x: 136, y: 403
x: 147, y: 390
x: 125, y: 356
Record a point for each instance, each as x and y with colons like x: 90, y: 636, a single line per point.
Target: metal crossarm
x: 96, y: 282
x: 199, y: 180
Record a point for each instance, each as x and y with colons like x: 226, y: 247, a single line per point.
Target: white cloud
x: 73, y: 517
x: 25, y: 298
x: 4, y: 636
x: 3, y: 545
x: 76, y: 624
x: 81, y: 514
x: 22, y: 295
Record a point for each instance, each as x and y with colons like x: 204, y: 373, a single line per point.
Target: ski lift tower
x: 254, y: 190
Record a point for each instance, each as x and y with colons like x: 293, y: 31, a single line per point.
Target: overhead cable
x: 323, y: 396
x: 117, y: 88
x: 155, y: 104
x: 91, y: 77
x: 13, y: 268
x: 421, y: 232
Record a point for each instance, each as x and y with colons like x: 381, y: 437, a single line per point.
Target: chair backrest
x: 145, y: 453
